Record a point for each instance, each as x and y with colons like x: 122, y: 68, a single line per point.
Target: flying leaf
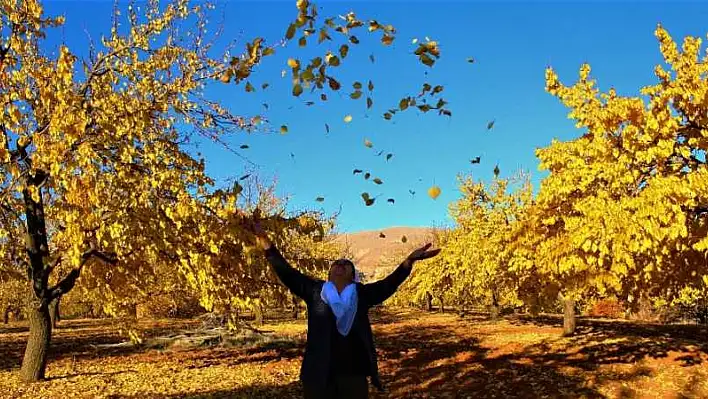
x: 490, y: 125
x: 297, y: 90
x: 319, y: 199
x: 496, y: 171
x: 243, y: 146
x: 377, y: 181
x: 354, y: 40
x: 356, y: 95
x: 357, y: 85
x: 434, y: 192
x: 249, y: 87
x: 387, y: 40
x: 302, y: 42
x: 475, y: 160
x: 327, y: 128
x: 388, y: 156
x: 412, y: 192
x: 371, y: 58
x: 369, y: 102
x: 264, y: 86
x: 368, y: 200
x: 309, y: 103
x: 368, y: 143
x: 244, y: 177
x: 283, y: 129
x: 379, y: 153
x: 403, y: 104
x: 404, y: 239
x: 290, y: 33
x: 323, y: 97
x: 470, y: 60
x: 371, y: 86
x: 333, y: 84
x: 415, y: 40
x: 388, y: 116
x: 347, y: 119
x: 357, y: 171
x: 238, y: 189
x: 367, y: 175
x: 391, y: 200
x: 343, y: 51
x: 293, y: 63
x: 382, y: 235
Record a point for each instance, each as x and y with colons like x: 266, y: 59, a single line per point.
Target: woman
x: 340, y: 351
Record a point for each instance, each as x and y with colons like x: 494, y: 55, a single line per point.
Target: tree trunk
x: 428, y: 302
x: 568, y: 317
x: 258, y: 312
x: 6, y: 315
x: 296, y: 308
x: 494, y: 308
x: 442, y: 305
x: 34, y: 363
x: 54, y: 312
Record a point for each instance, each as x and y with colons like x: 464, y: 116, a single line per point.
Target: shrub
x: 609, y: 308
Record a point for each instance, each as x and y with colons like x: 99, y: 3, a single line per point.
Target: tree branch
x: 68, y: 282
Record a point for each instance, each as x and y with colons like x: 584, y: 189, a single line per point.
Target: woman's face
x: 341, y: 270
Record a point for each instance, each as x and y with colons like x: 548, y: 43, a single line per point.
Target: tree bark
x: 54, y: 312
x: 442, y: 305
x: 258, y: 312
x: 6, y: 315
x: 296, y: 308
x: 494, y: 308
x: 428, y: 302
x: 568, y: 317
x: 34, y: 363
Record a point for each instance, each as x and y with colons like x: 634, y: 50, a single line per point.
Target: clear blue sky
x: 513, y: 42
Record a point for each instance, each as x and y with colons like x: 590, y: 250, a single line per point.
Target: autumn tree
x: 95, y: 167
x: 623, y: 210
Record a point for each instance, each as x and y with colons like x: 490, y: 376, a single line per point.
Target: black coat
x: 315, y: 364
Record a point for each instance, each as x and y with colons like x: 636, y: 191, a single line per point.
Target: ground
x: 422, y: 355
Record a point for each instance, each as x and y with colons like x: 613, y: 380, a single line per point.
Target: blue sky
x: 512, y: 43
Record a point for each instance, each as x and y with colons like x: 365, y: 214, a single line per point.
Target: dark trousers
x: 340, y: 387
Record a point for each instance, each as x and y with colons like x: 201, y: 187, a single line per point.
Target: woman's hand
x: 420, y: 254
x: 262, y: 240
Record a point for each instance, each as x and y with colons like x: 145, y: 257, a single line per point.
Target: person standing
x: 339, y: 353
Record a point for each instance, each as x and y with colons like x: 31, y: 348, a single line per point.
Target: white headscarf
x: 343, y: 305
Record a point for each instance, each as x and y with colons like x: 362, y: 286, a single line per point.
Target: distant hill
x: 368, y: 250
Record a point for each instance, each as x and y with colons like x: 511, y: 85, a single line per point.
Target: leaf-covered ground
x: 421, y: 355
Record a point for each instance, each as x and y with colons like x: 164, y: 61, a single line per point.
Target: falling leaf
x: 238, y: 189
x: 283, y: 129
x: 470, y: 60
x: 496, y: 170
x: 292, y: 155
x: 368, y: 143
x: 347, y: 119
x: 319, y: 199
x: 293, y: 63
x: 379, y: 153
x: 403, y: 104
x: 391, y: 200
x: 388, y: 156
x: 283, y: 73
x: 367, y: 199
x: 367, y: 175
x: 388, y: 116
x: 244, y: 177
x: 243, y: 146
x: 302, y: 42
x: 371, y: 58
x: 357, y: 85
x: 434, y: 192
x: 265, y: 106
x: 297, y: 90
x: 327, y: 128
x: 412, y: 192
x: 249, y: 87
x: 357, y: 171
x: 490, y: 125
x: 264, y: 86
x: 290, y: 33
x: 404, y: 239
x: 354, y: 40
x: 387, y: 40
x: 309, y: 103
x: 371, y: 86
x: 333, y: 84
x: 323, y: 97
x: 382, y: 235
x: 415, y: 40
x: 377, y: 181
x: 343, y: 51
x: 369, y: 102
x: 356, y: 95
x: 475, y: 160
